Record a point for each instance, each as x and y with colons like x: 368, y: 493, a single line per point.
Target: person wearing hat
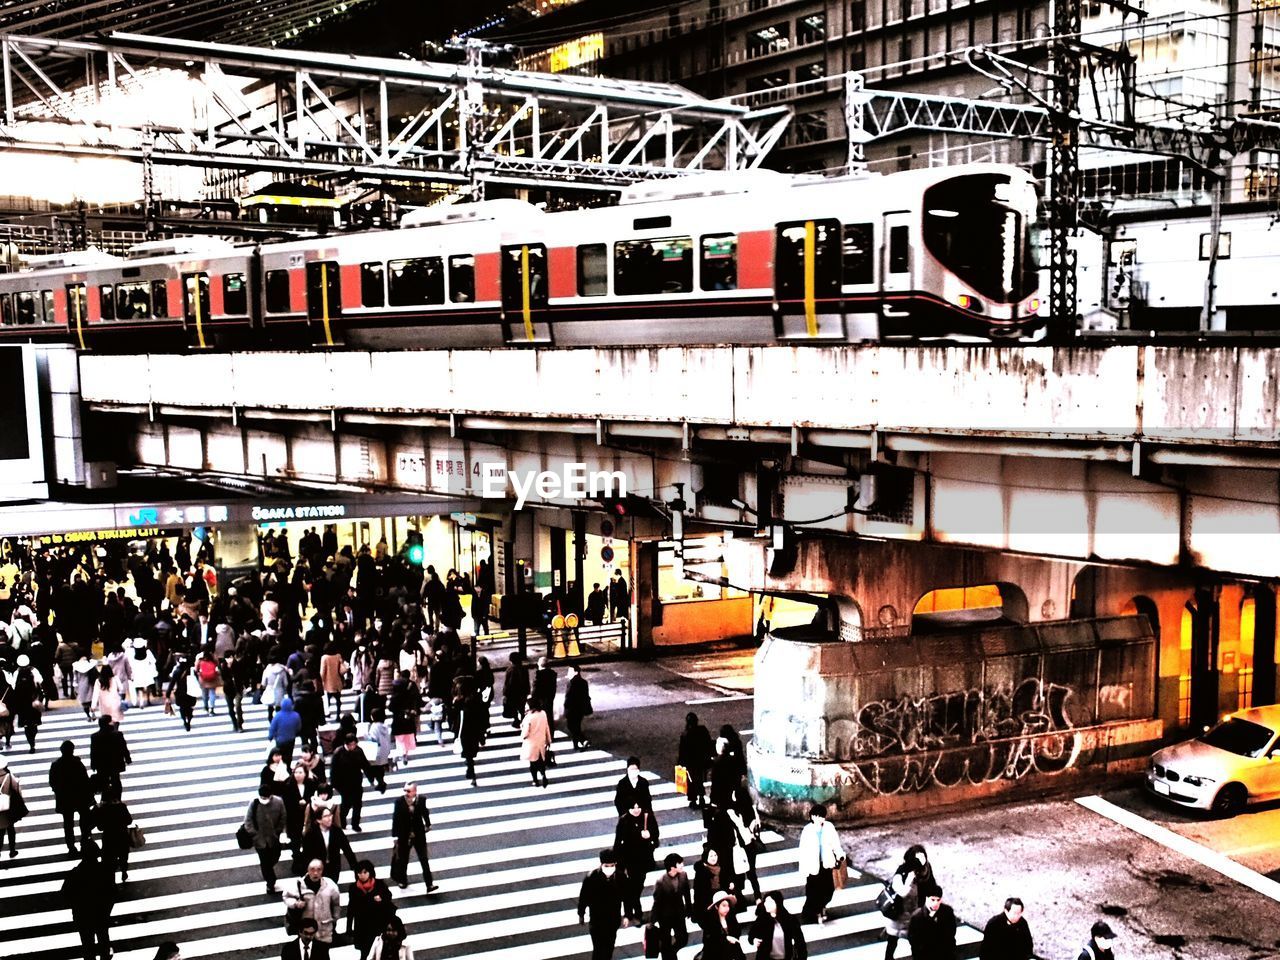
x: 720, y: 929
x: 142, y: 671
x: 601, y: 897
x: 26, y: 700
x: 12, y: 808
x: 69, y: 781
x: 1101, y: 938
x: 932, y: 931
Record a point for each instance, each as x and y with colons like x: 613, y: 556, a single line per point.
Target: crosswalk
x: 509, y: 858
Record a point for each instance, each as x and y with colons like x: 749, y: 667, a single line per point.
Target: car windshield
x: 1239, y: 736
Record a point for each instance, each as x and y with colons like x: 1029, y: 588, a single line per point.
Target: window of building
x: 1184, y: 667
x: 811, y: 71
x: 858, y: 15
x: 462, y: 278
x: 857, y: 58
x: 719, y: 263
x: 1224, y: 246
x: 593, y: 270
x: 373, y: 284
x: 811, y: 29
x: 905, y: 52
x: 133, y: 301
x: 792, y: 242
x: 643, y: 267
x: 277, y: 285
x: 757, y: 4
x: 419, y: 280
x: 768, y: 40
x: 859, y: 253
x: 714, y: 57
x: 106, y: 302
x: 715, y: 14
x: 809, y: 127
x: 904, y: 157
x: 769, y: 86
x: 904, y: 10
x: 235, y: 295
x: 673, y: 22
x: 159, y: 298
x: 25, y: 306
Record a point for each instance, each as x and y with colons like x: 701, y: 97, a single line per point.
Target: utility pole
x: 1064, y: 170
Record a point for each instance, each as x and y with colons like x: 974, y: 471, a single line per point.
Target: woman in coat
x: 369, y: 908
x: 275, y: 686
x: 142, y: 672
x: 577, y: 706
x: 535, y: 740
x: 296, y: 792
x: 332, y: 667
x: 113, y: 819
x: 711, y: 876
x: 405, y: 703
x: 27, y: 698
x: 85, y: 674
x: 515, y: 689
x: 392, y: 944
x: 379, y: 734
x: 484, y: 689
x: 183, y: 690
x: 634, y: 841
x: 913, y: 874
x: 473, y: 724
x: 777, y: 931
x: 720, y: 929
x: 17, y: 807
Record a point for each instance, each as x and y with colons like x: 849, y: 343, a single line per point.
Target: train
x: 755, y: 257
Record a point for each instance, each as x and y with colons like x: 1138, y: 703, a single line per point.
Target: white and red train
x: 719, y: 258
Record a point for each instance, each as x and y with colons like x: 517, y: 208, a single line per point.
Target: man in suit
x: 410, y: 821
x: 349, y: 770
x: 108, y: 754
x: 326, y: 842
x: 305, y: 946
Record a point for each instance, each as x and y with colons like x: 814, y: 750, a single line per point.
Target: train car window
x: 663, y: 265
x: 6, y: 310
x: 859, y: 253
x: 235, y: 296
x: 373, y: 291
x: 593, y: 270
x: 791, y: 245
x: 719, y: 263
x: 462, y: 278
x: 47, y: 297
x: 899, y: 250
x: 513, y: 276
x: 277, y: 286
x: 24, y: 306
x: 133, y: 301
x: 107, y: 302
x: 159, y: 298
x: 416, y: 281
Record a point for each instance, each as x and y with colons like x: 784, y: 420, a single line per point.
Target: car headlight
x: 1197, y: 781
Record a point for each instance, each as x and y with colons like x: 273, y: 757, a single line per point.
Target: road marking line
x: 1183, y: 845
x: 736, y: 696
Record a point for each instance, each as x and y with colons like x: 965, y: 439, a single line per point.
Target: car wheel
x: 1230, y: 800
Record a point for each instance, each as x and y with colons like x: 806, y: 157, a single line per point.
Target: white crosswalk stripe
x: 509, y: 858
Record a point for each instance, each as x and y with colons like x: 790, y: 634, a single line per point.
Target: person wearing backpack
x: 207, y: 674
x: 1101, y: 938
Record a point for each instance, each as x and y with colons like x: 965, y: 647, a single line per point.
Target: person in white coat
x: 275, y: 679
x: 820, y: 853
x: 318, y: 899
x: 142, y: 672
x: 391, y: 945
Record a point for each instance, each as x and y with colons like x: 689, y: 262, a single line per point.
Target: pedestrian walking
x: 113, y: 820
x: 515, y: 689
x: 369, y: 907
x: 631, y: 788
x: 13, y: 806
x: 314, y: 896
x: 1007, y: 936
x: 275, y: 686
x: 720, y: 930
x: 184, y: 691
x: 745, y: 821
x: 233, y: 671
x: 142, y: 673
x: 545, y: 682
x: 410, y: 824
x: 473, y: 724
x: 634, y: 841
x: 108, y: 754
x: 206, y: 671
x: 106, y: 696
x: 577, y: 706
x: 912, y: 874
x: 332, y: 669
x: 284, y: 729
x: 168, y: 950
x: 596, y: 605
x: 89, y: 891
x: 72, y: 795
x: 349, y: 770
x: 1098, y: 946
x: 820, y: 853
x: 672, y: 903
x: 392, y: 944
x: 695, y: 755
x: 932, y: 931
x: 305, y: 946
x: 777, y: 931
x: 264, y: 821
x: 27, y: 699
x: 379, y: 734
x: 296, y: 793
x: 710, y: 876
x: 85, y: 675
x: 619, y: 598
x: 535, y: 741
x: 601, y: 898
x: 405, y: 704
x: 325, y: 841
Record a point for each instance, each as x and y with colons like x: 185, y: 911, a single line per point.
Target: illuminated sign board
x: 298, y: 511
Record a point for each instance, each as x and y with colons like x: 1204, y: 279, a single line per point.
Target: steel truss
x: 367, y: 118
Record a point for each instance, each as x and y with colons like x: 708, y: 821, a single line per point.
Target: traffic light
x: 414, y: 552
x: 615, y: 507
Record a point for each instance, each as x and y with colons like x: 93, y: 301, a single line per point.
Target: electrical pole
x: 1064, y: 170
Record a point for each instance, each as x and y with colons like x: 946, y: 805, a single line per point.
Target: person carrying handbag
x: 746, y: 827
x: 264, y: 821
x: 12, y: 805
x: 820, y: 854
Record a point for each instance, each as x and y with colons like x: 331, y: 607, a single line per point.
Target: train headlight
x: 967, y: 302
x: 1033, y: 306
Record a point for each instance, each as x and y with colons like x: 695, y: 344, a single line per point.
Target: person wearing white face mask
x: 1101, y: 939
x: 601, y: 896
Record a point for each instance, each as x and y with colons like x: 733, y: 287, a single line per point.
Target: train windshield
x: 979, y: 227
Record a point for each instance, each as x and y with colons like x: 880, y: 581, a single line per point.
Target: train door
x: 895, y: 270
x: 195, y: 308
x: 77, y: 312
x: 807, y: 281
x: 524, y: 294
x: 324, y: 299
